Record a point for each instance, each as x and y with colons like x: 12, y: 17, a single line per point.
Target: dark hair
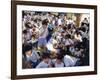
x: 27, y: 25
x: 24, y: 31
x: 45, y: 22
x: 83, y: 29
x: 67, y: 36
x: 26, y: 47
x: 64, y: 28
x: 35, y: 20
x: 23, y: 14
x: 69, y: 26
x: 45, y: 55
x: 60, y: 56
x: 85, y: 18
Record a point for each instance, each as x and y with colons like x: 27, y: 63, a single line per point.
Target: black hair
x: 85, y: 18
x: 25, y: 48
x: 45, y: 55
x: 24, y: 31
x: 83, y: 29
x: 68, y: 36
x: 23, y: 14
x: 35, y: 20
x: 60, y: 56
x: 69, y: 26
x: 45, y: 22
x: 64, y: 28
x: 27, y: 25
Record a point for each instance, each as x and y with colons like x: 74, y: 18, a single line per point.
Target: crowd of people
x: 53, y: 40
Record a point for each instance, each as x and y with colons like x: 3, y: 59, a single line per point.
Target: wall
x: 5, y: 38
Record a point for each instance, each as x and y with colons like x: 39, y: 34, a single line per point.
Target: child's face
x: 58, y: 61
x: 44, y: 26
x: 29, y: 53
x: 46, y: 60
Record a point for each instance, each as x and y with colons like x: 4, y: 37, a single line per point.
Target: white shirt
x: 70, y: 21
x: 50, y: 44
x: 69, y: 42
x: 85, y: 21
x: 56, y: 64
x: 42, y: 65
x: 43, y: 33
x: 59, y: 22
x: 59, y: 65
x: 69, y: 61
x: 34, y: 57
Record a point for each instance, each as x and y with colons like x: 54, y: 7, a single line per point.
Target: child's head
x: 28, y: 25
x: 45, y: 22
x: 46, y: 57
x: 28, y: 49
x: 24, y: 31
x: 59, y: 58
